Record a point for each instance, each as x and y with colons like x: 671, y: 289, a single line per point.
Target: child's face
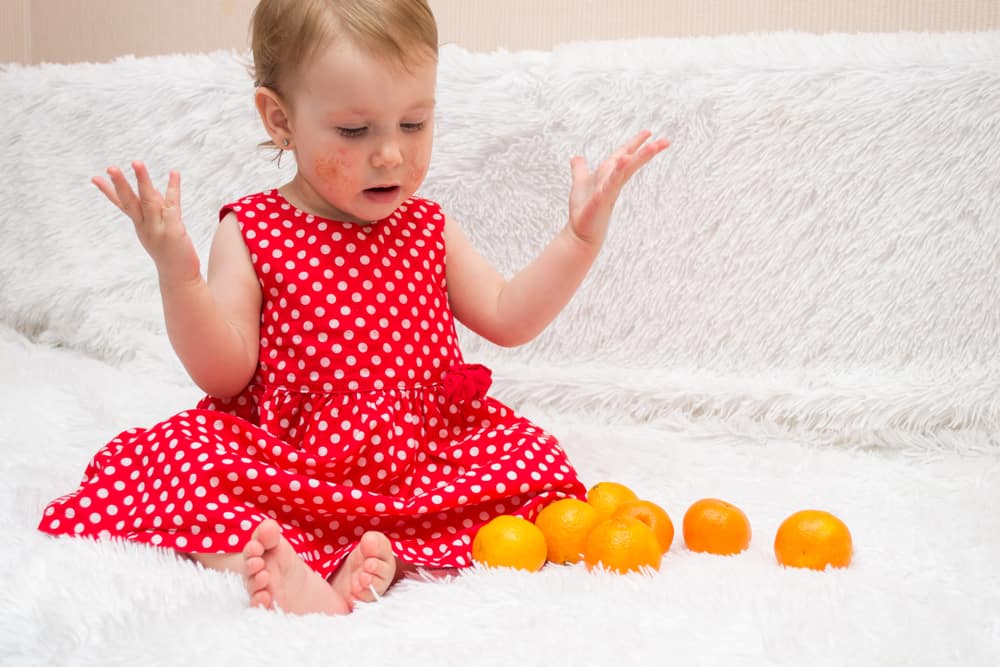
x: 362, y: 129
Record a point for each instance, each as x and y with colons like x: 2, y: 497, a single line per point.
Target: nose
x: 387, y: 154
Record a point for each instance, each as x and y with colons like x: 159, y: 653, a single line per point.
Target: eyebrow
x: 423, y: 104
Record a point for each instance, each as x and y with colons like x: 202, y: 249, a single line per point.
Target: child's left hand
x: 593, y: 194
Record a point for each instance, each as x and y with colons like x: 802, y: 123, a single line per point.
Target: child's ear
x: 274, y: 114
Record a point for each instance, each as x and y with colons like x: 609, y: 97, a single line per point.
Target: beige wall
x: 33, y: 31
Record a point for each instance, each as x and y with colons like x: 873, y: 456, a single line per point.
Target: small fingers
x: 620, y: 168
x: 648, y: 152
x: 151, y: 201
x: 638, y: 140
x: 142, y: 175
x: 578, y: 166
x: 148, y: 194
x: 617, y: 174
x: 615, y: 171
x: 126, y: 199
x: 107, y: 190
x: 173, y: 198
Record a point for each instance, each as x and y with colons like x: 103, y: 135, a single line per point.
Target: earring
x: 281, y: 151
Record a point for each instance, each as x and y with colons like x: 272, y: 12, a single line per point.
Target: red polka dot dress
x: 361, y: 414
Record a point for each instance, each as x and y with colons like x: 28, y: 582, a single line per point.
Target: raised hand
x: 593, y: 194
x: 157, y: 220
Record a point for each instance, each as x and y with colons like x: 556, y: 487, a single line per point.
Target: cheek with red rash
x: 415, y: 174
x: 417, y: 167
x: 334, y: 171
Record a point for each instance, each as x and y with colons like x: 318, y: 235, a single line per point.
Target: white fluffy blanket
x: 797, y: 307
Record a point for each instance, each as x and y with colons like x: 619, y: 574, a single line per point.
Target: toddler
x: 343, y: 441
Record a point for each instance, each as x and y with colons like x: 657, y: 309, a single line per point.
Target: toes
x: 261, y: 599
x: 253, y: 565
x: 253, y: 549
x: 376, y: 545
x: 379, y: 569
x: 268, y: 533
x: 372, y: 579
x: 361, y: 587
x: 258, y: 582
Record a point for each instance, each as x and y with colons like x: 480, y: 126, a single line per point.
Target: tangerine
x: 509, y: 541
x: 606, y: 497
x: 716, y: 527
x: 566, y: 524
x: 813, y: 539
x: 622, y: 545
x: 653, y: 516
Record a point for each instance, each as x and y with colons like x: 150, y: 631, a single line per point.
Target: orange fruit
x: 653, y: 516
x: 622, y: 545
x: 813, y: 539
x: 509, y: 541
x: 716, y: 527
x: 607, y: 496
x: 565, y: 525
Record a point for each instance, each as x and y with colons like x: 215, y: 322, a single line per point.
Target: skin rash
x: 332, y: 169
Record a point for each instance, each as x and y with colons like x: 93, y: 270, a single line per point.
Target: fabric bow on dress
x: 465, y: 382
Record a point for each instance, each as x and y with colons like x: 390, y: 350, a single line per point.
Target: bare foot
x: 276, y: 576
x: 369, y: 568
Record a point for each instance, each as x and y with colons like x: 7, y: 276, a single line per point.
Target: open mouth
x: 382, y: 194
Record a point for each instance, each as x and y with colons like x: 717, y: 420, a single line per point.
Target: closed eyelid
x: 351, y: 132
x: 358, y: 130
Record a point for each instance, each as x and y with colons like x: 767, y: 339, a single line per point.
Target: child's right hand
x: 157, y: 220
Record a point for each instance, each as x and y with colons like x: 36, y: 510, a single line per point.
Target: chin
x: 373, y: 211
x: 366, y: 215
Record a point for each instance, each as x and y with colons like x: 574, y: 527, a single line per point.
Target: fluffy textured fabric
x: 796, y: 306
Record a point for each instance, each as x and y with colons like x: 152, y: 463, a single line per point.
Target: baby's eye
x: 412, y: 127
x: 351, y: 131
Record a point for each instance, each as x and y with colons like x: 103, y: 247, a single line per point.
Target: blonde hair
x: 284, y: 33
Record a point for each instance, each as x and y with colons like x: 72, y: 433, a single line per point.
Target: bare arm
x: 214, y: 326
x: 513, y: 312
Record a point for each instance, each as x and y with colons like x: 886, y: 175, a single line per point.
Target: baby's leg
x: 367, y: 571
x: 276, y: 575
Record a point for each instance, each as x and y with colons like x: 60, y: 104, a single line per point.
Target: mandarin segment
x: 717, y: 527
x: 813, y: 539
x: 566, y: 524
x: 510, y: 541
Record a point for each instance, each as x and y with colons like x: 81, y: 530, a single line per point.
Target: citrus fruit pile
x: 616, y: 530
